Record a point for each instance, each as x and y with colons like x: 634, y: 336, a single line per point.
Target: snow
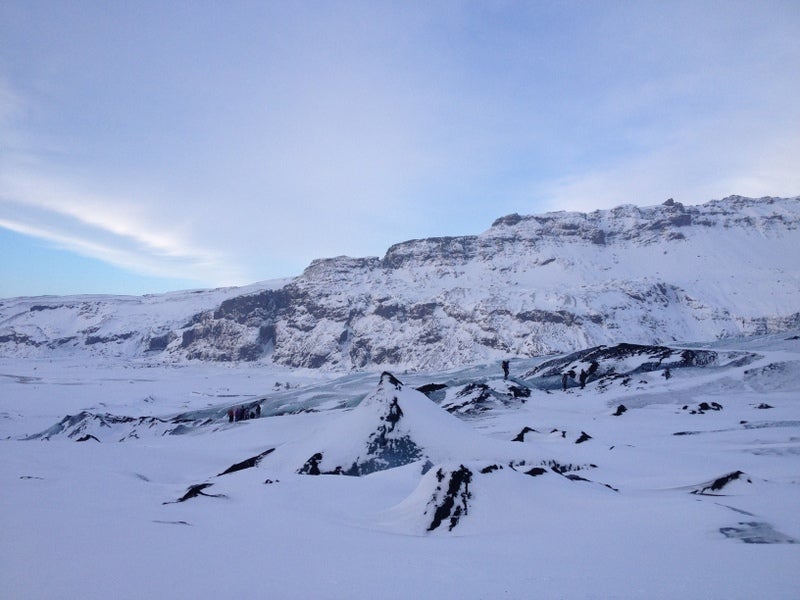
x: 634, y: 514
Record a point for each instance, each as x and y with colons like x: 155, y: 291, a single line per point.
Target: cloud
x: 705, y: 160
x: 113, y: 230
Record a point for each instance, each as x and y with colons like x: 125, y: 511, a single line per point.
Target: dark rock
x: 86, y: 438
x: 520, y: 391
x: 430, y: 389
x: 391, y: 379
x: 719, y: 484
x: 560, y: 468
x: 160, y: 342
x: 311, y: 466
x: 584, y: 437
x: 559, y: 317
x: 764, y: 406
x: 490, y: 469
x: 41, y: 307
x: 620, y: 410
x: 247, y: 464
x: 98, y: 339
x: 454, y: 503
x: 194, y: 491
x: 536, y: 471
x: 521, y: 435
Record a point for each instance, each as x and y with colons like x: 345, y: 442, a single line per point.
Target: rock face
x: 530, y: 285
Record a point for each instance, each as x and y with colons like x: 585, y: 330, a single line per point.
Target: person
x: 230, y: 415
x: 666, y: 374
x: 505, y: 369
x: 582, y: 378
x: 395, y: 412
x: 564, y: 382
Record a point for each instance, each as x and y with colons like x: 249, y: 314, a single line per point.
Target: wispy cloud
x: 730, y: 154
x: 110, y: 229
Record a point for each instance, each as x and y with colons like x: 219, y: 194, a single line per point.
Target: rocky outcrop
x: 450, y: 501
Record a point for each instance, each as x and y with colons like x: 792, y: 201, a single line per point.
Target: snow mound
x: 394, y: 426
x: 474, y: 496
x: 477, y: 397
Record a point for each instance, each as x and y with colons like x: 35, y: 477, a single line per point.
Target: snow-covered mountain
x: 528, y: 286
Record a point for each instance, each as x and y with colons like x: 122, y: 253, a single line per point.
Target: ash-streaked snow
x: 662, y: 500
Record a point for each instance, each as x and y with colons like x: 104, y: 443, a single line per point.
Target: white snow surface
x: 660, y: 502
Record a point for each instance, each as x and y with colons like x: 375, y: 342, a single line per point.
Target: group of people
x: 582, y: 377
x: 243, y: 413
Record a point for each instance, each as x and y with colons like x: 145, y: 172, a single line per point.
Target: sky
x: 153, y: 146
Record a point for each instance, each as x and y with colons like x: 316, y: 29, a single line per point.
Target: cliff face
x: 529, y: 285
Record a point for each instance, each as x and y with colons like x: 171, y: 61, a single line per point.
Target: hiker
x: 505, y: 369
x: 564, y: 382
x: 666, y: 374
x: 582, y: 378
x: 230, y: 415
x: 395, y: 412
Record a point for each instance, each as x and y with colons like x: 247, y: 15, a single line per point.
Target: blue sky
x: 151, y: 146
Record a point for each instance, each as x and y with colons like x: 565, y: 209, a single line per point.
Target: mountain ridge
x: 529, y: 285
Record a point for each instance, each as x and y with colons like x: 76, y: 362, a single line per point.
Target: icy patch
x: 756, y: 532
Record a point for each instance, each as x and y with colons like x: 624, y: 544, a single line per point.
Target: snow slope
x: 665, y: 499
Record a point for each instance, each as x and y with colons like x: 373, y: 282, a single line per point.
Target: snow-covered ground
x: 693, y: 491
